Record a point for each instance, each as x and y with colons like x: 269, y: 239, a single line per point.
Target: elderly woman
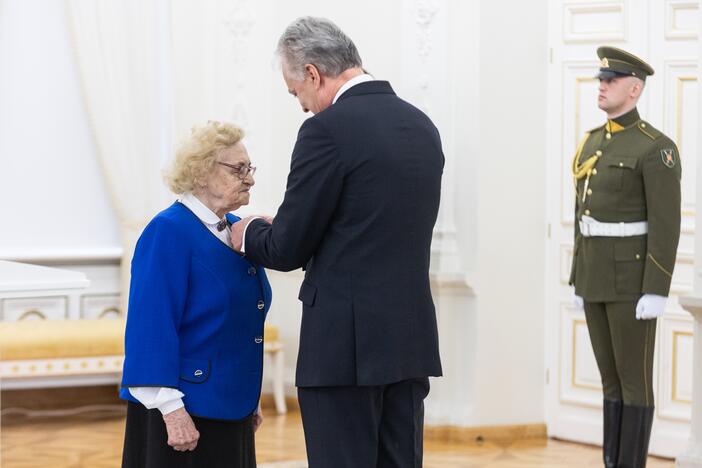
x: 194, y: 337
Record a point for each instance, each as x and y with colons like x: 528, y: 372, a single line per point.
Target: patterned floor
x: 284, y: 464
x: 95, y: 441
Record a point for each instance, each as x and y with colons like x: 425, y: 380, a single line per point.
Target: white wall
x: 52, y: 197
x: 492, y: 310
x: 511, y: 162
x: 697, y: 278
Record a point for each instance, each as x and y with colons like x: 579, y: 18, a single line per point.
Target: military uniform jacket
x: 636, y: 178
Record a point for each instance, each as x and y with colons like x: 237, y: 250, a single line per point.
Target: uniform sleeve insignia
x: 668, y: 157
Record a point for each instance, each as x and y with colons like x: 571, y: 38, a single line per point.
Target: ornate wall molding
x: 681, y: 19
x: 425, y: 14
x: 594, y: 21
x: 239, y: 23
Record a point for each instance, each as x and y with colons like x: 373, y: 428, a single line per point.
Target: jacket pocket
x: 194, y: 370
x: 629, y: 261
x: 308, y: 293
x: 622, y: 169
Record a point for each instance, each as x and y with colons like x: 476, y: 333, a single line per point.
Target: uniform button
x: 197, y: 373
x: 252, y: 271
x: 608, y: 136
x: 587, y: 212
x: 258, y: 339
x: 261, y: 305
x: 598, y: 153
x: 643, y: 125
x: 589, y: 191
x: 621, y: 164
x: 594, y: 172
x: 638, y: 257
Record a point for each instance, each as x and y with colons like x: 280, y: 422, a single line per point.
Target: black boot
x: 612, y: 410
x: 635, y: 433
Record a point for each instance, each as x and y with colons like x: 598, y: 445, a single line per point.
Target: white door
x: 665, y: 33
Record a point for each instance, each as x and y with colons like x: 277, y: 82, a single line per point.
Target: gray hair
x: 320, y: 42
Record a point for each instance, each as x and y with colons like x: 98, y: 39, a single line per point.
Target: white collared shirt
x: 207, y: 216
x: 168, y: 399
x: 352, y: 82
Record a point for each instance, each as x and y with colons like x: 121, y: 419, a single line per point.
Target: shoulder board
x: 648, y: 130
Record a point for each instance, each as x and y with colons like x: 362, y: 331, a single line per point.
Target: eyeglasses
x: 241, y: 170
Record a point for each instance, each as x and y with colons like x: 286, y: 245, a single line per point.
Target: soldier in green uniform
x: 627, y: 227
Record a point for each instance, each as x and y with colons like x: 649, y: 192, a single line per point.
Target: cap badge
x: 604, y: 63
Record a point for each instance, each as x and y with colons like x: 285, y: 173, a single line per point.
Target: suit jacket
x: 636, y: 178
x: 195, y: 321
x: 361, y: 202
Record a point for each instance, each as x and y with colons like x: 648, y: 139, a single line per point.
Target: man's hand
x: 239, y: 228
x: 182, y: 434
x: 650, y: 306
x: 257, y: 417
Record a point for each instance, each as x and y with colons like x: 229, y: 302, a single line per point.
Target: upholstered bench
x: 60, y: 353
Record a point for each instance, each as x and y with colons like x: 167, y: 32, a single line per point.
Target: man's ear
x: 637, y: 87
x: 312, y: 73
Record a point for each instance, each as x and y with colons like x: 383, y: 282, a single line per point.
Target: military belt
x: 590, y: 227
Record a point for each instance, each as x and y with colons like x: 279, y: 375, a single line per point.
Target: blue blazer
x: 195, y: 321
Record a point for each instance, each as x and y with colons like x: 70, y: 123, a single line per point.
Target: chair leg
x: 278, y: 382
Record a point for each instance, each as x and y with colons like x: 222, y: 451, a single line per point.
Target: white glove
x: 578, y: 303
x: 650, y: 306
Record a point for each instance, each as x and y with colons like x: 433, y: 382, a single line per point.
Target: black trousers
x: 222, y: 444
x: 364, y: 427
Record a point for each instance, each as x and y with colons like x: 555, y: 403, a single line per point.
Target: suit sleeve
x: 314, y: 186
x: 661, y: 177
x: 157, y: 299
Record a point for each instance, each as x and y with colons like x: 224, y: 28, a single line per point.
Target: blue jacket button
x: 261, y: 305
x: 252, y: 271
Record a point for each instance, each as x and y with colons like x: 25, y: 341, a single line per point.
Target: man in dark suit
x: 361, y: 202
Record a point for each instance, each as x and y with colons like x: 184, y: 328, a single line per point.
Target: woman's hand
x: 182, y: 434
x: 257, y: 417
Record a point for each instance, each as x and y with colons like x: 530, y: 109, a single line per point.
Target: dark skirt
x: 222, y: 444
